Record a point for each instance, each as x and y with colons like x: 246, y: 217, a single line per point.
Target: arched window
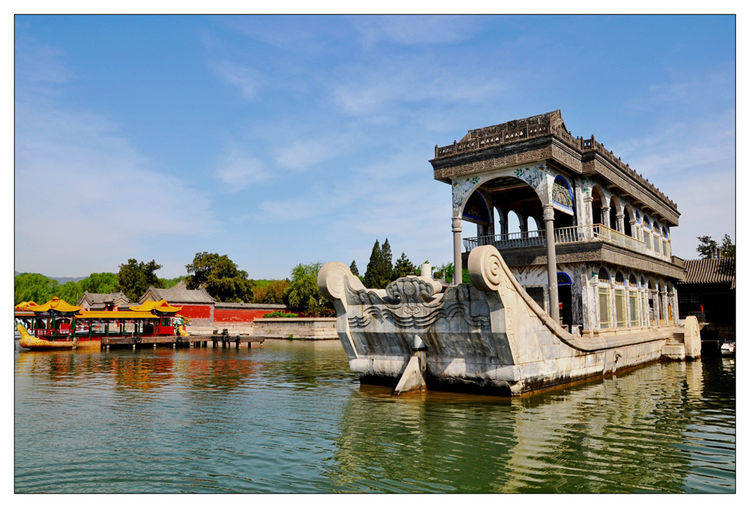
x: 619, y: 278
x: 613, y: 207
x: 603, y: 275
x: 514, y: 222
x: 562, y: 193
x: 647, y: 232
x: 633, y: 282
x: 628, y: 217
x: 563, y: 279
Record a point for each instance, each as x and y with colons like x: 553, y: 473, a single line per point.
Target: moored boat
x: 585, y: 288
x: 59, y: 325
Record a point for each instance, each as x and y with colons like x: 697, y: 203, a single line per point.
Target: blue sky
x: 286, y: 139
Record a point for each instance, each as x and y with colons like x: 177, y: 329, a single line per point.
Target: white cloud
x: 415, y: 29
x: 375, y: 90
x: 247, y: 79
x: 237, y: 169
x: 85, y: 199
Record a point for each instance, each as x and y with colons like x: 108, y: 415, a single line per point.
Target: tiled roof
x: 102, y: 298
x: 710, y: 271
x: 178, y: 294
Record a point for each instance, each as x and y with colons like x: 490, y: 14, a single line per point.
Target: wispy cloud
x: 237, y: 169
x: 244, y: 77
x: 85, y: 197
x: 378, y: 89
x: 410, y: 30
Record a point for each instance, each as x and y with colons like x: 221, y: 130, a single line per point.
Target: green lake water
x: 290, y: 417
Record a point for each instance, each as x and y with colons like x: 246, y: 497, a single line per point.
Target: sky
x: 280, y: 140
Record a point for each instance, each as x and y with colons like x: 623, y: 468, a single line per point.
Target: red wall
x: 238, y: 315
x: 196, y: 311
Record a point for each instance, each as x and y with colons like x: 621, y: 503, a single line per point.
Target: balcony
x: 566, y: 235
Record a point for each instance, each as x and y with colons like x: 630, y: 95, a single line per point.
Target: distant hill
x: 60, y: 280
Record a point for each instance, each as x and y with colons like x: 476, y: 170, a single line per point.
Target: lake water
x: 290, y: 417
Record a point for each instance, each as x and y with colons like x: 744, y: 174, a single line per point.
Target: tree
x: 134, y: 278
x: 103, y: 282
x: 379, y: 269
x: 353, y: 268
x: 272, y: 291
x: 706, y: 247
x: 303, y: 294
x: 220, y: 276
x: 71, y: 292
x: 387, y: 260
x: 33, y: 287
x: 403, y: 267
x: 727, y: 248
x: 168, y: 283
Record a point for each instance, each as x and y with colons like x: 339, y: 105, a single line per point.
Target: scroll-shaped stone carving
x: 486, y: 268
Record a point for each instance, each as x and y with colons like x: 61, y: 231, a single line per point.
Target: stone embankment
x: 277, y: 328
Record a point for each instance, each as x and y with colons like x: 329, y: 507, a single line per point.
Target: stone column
x: 549, y: 226
x: 503, y: 222
x: 524, y: 225
x: 588, y: 220
x: 457, y: 268
x: 664, y: 304
x: 605, y: 216
x: 620, y: 222
x: 633, y: 228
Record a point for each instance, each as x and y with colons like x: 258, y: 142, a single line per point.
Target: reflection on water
x: 289, y: 417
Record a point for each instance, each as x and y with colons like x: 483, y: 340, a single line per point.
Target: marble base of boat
x: 488, y: 336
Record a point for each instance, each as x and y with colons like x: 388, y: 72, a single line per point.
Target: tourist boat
x: 59, y: 325
x: 727, y: 349
x: 590, y: 293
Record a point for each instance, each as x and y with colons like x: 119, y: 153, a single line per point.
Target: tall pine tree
x: 353, y: 268
x: 403, y: 267
x: 387, y: 262
x: 371, y: 274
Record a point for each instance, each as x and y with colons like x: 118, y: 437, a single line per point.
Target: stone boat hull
x: 487, y: 336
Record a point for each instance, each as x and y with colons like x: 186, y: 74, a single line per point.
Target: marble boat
x: 544, y: 307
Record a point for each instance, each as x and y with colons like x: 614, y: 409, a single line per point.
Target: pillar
x: 457, y: 268
x: 549, y: 227
x: 620, y: 222
x: 605, y: 216
x: 588, y: 219
x: 523, y: 225
x: 634, y: 228
x: 503, y: 222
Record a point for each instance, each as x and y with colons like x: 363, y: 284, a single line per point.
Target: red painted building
x: 198, y: 306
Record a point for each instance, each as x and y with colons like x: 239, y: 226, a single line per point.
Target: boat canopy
x: 162, y: 307
x: 56, y: 304
x: 115, y: 314
x: 25, y: 306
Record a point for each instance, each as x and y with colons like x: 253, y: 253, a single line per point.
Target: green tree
x: 168, y: 283
x: 103, y: 282
x: 353, y: 268
x: 220, y: 276
x: 33, y: 287
x: 71, y: 292
x: 379, y: 269
x: 134, y: 278
x: 272, y: 291
x: 727, y: 248
x: 403, y: 267
x: 387, y: 260
x: 706, y: 247
x: 303, y: 294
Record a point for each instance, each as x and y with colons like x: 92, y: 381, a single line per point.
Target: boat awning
x: 160, y: 306
x: 56, y: 304
x: 25, y: 306
x: 114, y: 314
